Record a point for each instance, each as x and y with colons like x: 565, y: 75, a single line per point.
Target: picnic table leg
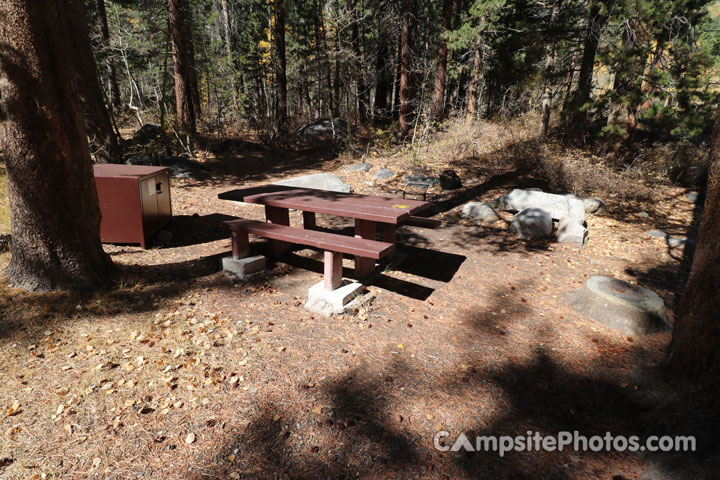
x: 309, y: 221
x: 278, y: 216
x: 240, y: 244
x: 333, y: 270
x: 389, y: 232
x: 368, y: 230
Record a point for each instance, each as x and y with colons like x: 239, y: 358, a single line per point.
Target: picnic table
x: 368, y: 211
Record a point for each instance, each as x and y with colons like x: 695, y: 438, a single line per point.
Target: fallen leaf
x: 14, y: 409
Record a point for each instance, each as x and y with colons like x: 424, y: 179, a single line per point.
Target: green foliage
x: 655, y: 69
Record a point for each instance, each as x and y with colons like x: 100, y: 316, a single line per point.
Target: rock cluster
x: 537, y: 213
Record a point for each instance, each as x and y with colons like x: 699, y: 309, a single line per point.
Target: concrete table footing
x: 243, y: 267
x: 325, y: 302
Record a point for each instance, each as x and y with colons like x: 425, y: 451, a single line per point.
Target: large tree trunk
x: 406, y: 110
x: 626, y: 72
x: 187, y: 100
x: 103, y: 141
x: 53, y: 202
x: 438, y: 100
x: 546, y: 102
x: 694, y: 353
x: 578, y: 116
x: 382, y: 87
x: 114, y: 86
x: 473, y: 93
x: 360, y: 87
x: 280, y: 66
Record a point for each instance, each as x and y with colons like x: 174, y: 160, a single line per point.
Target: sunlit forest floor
x: 178, y: 372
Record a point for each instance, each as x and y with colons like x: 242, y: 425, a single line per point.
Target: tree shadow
x: 359, y: 433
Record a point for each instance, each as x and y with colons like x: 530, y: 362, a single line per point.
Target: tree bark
x: 406, y: 110
x: 473, y: 93
x: 621, y: 112
x: 114, y: 86
x: 103, y: 141
x: 382, y: 87
x: 362, y: 102
x: 694, y: 351
x: 280, y: 66
x: 546, y: 103
x: 578, y: 115
x: 187, y: 101
x: 54, y: 209
x: 438, y: 100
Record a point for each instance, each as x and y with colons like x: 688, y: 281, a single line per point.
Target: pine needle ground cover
x: 179, y: 372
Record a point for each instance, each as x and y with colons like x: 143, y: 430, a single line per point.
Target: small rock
x: 190, y: 438
x: 360, y: 167
x: 643, y: 215
x: 449, y: 180
x: 420, y: 180
x: 680, y: 241
x: 595, y: 205
x: 656, y: 233
x: 693, y: 197
x: 532, y: 223
x: 383, y: 174
x: 480, y: 211
x: 534, y: 189
x: 569, y: 231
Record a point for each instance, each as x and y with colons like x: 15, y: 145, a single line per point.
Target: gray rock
x: 323, y: 128
x: 656, y: 233
x: 147, y: 133
x: 383, y: 174
x: 532, y: 223
x: 694, y: 197
x: 420, y: 180
x: 534, y: 189
x: 558, y: 206
x: 5, y: 239
x: 449, y: 180
x: 497, y: 203
x: 628, y: 308
x: 320, y: 181
x: 360, y: 167
x: 480, y: 211
x: 680, y: 241
x: 595, y: 205
x: 569, y: 231
x: 643, y: 215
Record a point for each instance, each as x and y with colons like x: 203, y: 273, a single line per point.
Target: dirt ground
x: 180, y: 372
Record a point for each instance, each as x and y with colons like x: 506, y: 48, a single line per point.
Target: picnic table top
x: 364, y: 207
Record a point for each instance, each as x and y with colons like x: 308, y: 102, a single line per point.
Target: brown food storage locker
x: 134, y: 202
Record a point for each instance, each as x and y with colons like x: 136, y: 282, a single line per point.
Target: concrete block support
x: 243, y: 267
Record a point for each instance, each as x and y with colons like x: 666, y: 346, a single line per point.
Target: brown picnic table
x: 367, y: 210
